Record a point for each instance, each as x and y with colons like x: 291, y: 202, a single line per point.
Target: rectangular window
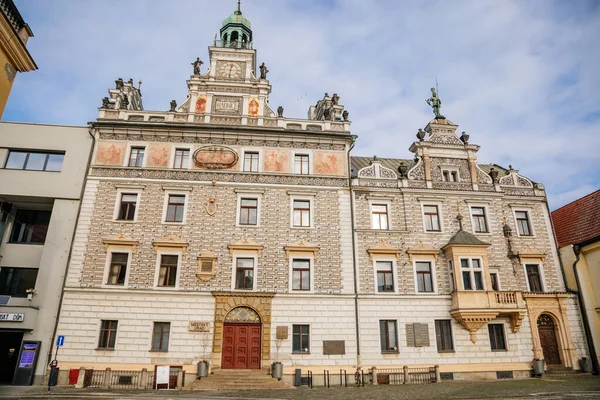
x: 300, y: 339
x: 175, y: 208
x: 523, y: 225
x: 479, y: 220
x: 167, y: 275
x: 379, y: 216
x: 301, y: 164
x: 449, y: 176
x: 30, y: 226
x: 301, y: 213
x: 472, y: 274
x: 34, y: 161
x: 533, y: 278
x: 251, y: 161
x: 160, y: 336
x: 424, y: 277
x: 128, y: 205
x: 388, y: 333
x: 136, y: 157
x: 432, y: 218
x: 497, y: 341
x: 452, y: 284
x: 15, y: 281
x: 300, y: 274
x: 248, y: 211
x: 181, y: 159
x: 108, y: 334
x: 495, y: 281
x: 118, y: 269
x: 385, y: 276
x: 244, y: 273
x: 443, y: 335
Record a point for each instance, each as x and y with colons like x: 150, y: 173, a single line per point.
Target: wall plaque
x: 215, y: 157
x: 334, y: 347
x: 227, y: 105
x: 282, y: 332
x: 199, y: 326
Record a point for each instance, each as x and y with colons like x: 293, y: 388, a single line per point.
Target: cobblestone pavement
x: 581, y: 387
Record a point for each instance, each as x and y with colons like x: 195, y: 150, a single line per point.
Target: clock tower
x: 231, y: 91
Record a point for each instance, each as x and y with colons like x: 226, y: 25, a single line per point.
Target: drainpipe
x: 586, y: 324
x: 62, y: 292
x: 354, y: 261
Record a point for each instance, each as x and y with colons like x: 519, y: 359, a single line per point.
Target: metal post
x: 345, y: 378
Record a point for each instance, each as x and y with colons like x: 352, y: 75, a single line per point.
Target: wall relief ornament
x: 377, y: 171
x: 201, y: 104
x: 418, y: 171
x: 253, y: 107
x: 215, y: 157
x: 211, y: 206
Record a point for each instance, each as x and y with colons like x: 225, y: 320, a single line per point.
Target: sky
x: 520, y: 77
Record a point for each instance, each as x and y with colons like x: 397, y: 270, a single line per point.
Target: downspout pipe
x: 584, y: 317
x: 354, y: 260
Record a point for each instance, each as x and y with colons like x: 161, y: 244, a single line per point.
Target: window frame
x: 540, y: 272
x: 438, y: 338
x: 244, y: 254
x: 118, y: 201
x: 12, y: 292
x: 309, y: 168
x: 394, y: 272
x: 301, y: 257
x: 168, y: 194
x: 472, y: 271
x: 432, y: 272
x: 528, y: 212
x: 486, y: 219
x: 498, y: 284
x: 47, y: 153
x: 450, y: 172
x: 374, y: 203
x: 439, y: 215
x: 494, y: 342
x: 130, y: 149
x: 390, y: 349
x: 159, y: 255
x: 173, y: 159
x: 258, y: 154
x: 110, y: 330
x: 311, y: 211
x: 108, y: 264
x: 247, y: 196
x: 308, y: 335
x: 14, y: 223
x: 160, y: 349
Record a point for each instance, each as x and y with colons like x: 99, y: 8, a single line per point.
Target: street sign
x: 60, y: 341
x: 12, y: 317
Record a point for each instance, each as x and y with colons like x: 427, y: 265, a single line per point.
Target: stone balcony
x: 474, y: 309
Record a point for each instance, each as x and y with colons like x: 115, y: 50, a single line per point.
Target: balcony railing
x: 233, y: 44
x: 480, y: 300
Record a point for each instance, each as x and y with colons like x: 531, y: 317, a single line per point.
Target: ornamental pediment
x: 384, y: 248
x: 529, y: 253
x: 245, y: 245
x: 170, y: 242
x: 121, y: 240
x: 301, y: 246
x: 377, y: 171
x: 422, y: 249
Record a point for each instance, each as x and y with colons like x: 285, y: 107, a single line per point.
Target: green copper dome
x: 237, y: 19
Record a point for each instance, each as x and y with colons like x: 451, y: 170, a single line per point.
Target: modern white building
x: 42, y: 170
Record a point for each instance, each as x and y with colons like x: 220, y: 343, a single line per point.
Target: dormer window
x: 449, y: 175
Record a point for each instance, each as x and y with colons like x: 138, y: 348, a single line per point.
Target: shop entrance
x: 10, y: 343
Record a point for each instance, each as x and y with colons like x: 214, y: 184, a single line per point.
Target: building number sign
x: 12, y: 317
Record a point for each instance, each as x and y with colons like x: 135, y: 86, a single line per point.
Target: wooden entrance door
x: 241, y: 346
x: 547, y: 331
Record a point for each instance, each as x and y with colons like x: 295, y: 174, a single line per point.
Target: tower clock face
x: 230, y: 69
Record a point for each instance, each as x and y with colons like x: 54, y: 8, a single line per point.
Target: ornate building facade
x: 221, y: 230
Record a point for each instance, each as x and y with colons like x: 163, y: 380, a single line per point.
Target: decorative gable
x: 377, y: 171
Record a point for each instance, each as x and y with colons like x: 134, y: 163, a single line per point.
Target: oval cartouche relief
x: 215, y: 157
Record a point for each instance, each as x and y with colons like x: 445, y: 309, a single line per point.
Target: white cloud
x: 520, y: 77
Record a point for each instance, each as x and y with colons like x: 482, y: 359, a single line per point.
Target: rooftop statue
x: 197, y: 65
x: 435, y: 103
x: 263, y: 71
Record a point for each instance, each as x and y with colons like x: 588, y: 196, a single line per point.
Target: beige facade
x: 14, y: 57
x: 41, y: 181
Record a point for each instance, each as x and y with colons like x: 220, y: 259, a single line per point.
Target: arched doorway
x: 241, y: 339
x: 547, y: 332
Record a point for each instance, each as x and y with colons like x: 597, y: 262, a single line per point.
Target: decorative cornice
x: 243, y: 294
x: 15, y: 50
x: 422, y: 249
x: 170, y: 242
x: 245, y: 244
x: 121, y: 240
x: 301, y: 246
x: 530, y: 253
x: 472, y: 321
x: 209, y: 176
x: 384, y: 248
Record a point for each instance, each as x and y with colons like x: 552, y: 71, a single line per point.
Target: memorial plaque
x: 227, y: 105
x: 199, y: 326
x: 282, y: 332
x: 334, y: 347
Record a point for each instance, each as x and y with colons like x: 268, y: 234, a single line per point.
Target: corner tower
x: 236, y: 31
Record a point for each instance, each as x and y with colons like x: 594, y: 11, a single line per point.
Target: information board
x: 27, y: 355
x: 162, y: 374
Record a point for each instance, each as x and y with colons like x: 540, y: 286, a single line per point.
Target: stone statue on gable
x: 263, y: 71
x: 435, y: 103
x: 197, y: 65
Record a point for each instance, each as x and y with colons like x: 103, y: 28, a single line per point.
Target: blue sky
x: 521, y: 77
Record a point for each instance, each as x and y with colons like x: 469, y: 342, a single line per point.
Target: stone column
x: 180, y: 379
x: 438, y: 378
x: 406, y: 375
x: 143, y: 379
x: 107, y: 379
x: 80, y: 378
x: 374, y: 372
